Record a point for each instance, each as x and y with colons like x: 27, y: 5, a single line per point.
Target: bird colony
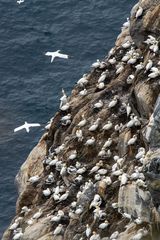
x: 96, y: 151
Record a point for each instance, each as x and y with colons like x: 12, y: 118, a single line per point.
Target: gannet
x: 73, y: 155
x: 79, y: 135
x: 112, y: 60
x: 99, y: 104
x: 97, y: 177
x: 130, y: 79
x: 95, y: 236
x: 99, y: 213
x: 65, y: 107
x: 27, y: 126
x: 102, y: 171
x: 139, y: 66
x: 140, y: 234
x: 18, y: 235
x: 139, y: 12
x: 103, y: 225
x: 55, y: 54
x: 81, y: 171
x: 127, y: 23
x: 47, y: 192
x: 83, y: 81
x: 114, y: 235
x: 100, y: 85
x: 50, y: 179
x: 25, y: 209
x: 60, y: 148
x: 108, y: 143
x: 58, y: 229
x: 141, y: 153
x: 57, y: 218
x: 115, y: 205
x: 95, y: 168
x: 102, y: 152
x: 149, y: 65
x: 141, y: 183
x: 102, y: 77
x: 119, y: 68
x: 64, y: 196
x: 90, y: 141
x: 83, y: 122
x: 20, y: 1
x: 154, y: 47
x: 155, y: 72
x: 117, y: 172
x: 34, y: 179
x: 123, y: 178
x: 132, y: 140
x: 37, y: 214
x: 14, y: 225
x: 95, y: 125
x: 30, y: 221
x: 132, y: 60
x: 126, y: 215
x: 138, y: 221
x: 96, y: 201
x: 64, y: 98
x: 96, y: 64
x: 113, y: 102
x: 127, y: 44
x: 83, y: 92
x: 88, y: 230
x: 107, y: 126
x: 107, y: 180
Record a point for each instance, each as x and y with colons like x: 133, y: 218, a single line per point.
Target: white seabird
x: 113, y: 102
x: 99, y: 104
x: 130, y: 79
x: 34, y: 179
x: 149, y: 65
x: 132, y: 140
x: 27, y: 126
x: 103, y: 225
x: 107, y: 126
x: 55, y: 54
x: 95, y: 125
x: 90, y: 141
x: 139, y: 12
x: 58, y: 229
x: 83, y: 122
x: 88, y: 231
x: 20, y: 1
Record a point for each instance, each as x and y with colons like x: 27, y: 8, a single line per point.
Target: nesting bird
x: 113, y: 102
x: 98, y: 105
x: 107, y: 126
x: 90, y: 141
x: 95, y: 125
x: 139, y: 12
x: 132, y: 140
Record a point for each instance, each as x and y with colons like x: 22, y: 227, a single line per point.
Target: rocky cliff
x: 95, y: 173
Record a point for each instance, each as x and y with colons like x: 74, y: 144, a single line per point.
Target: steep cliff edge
x: 97, y: 169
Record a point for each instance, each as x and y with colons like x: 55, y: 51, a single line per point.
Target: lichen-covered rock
x: 95, y: 173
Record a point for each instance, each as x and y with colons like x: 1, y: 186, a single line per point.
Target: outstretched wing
x: 19, y: 128
x: 34, y: 124
x: 62, y: 55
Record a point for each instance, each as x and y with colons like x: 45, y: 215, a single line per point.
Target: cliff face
x: 103, y: 171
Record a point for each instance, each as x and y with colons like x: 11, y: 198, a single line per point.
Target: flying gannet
x: 27, y: 126
x: 20, y: 1
x: 55, y: 54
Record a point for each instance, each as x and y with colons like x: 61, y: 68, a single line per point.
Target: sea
x: 30, y: 85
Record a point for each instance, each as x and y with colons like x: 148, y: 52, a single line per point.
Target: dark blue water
x: 30, y: 85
